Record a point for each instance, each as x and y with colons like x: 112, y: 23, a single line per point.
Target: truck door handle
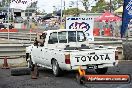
x: 41, y: 50
x: 92, y: 53
x: 51, y: 49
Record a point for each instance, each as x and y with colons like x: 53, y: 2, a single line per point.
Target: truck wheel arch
x: 52, y: 60
x: 27, y: 56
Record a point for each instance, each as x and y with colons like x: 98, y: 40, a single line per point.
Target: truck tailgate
x: 92, y: 57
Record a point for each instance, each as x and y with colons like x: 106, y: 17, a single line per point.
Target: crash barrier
x: 96, y: 31
x: 107, y: 32
x: 11, y: 51
x: 18, y: 36
x: 127, y: 48
x: 10, y: 30
x: 19, y: 49
x: 130, y: 33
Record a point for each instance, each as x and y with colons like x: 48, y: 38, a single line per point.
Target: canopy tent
x: 119, y: 10
x: 107, y: 17
x: 48, y: 16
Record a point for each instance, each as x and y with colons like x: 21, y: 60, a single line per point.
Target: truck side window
x: 72, y: 36
x: 53, y: 38
x: 80, y: 36
x: 62, y: 37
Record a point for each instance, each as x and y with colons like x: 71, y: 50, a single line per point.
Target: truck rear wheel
x: 56, y: 69
x: 101, y: 70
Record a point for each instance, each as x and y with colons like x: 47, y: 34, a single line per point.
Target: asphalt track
x: 68, y: 80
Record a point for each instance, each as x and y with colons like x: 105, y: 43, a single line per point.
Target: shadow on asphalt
x: 66, y: 74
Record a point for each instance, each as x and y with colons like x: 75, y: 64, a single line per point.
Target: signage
x: 84, y: 23
x: 127, y: 16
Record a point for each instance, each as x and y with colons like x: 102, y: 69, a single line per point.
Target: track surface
x: 47, y: 80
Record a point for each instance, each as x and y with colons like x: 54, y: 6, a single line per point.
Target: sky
x: 48, y: 5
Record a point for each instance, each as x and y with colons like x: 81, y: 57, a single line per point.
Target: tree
x: 32, y: 8
x: 88, y: 3
x: 100, y: 7
x: 116, y: 4
x: 73, y: 11
x: 4, y: 3
x: 85, y: 4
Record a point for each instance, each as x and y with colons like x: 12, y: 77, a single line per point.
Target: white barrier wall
x: 18, y: 25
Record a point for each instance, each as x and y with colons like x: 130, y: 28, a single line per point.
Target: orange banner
x: 108, y: 78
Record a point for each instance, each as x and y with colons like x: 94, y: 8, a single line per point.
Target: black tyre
x: 101, y: 70
x: 20, y: 71
x: 56, y: 69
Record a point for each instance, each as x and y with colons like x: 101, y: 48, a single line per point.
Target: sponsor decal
x: 107, y: 78
x: 84, y: 23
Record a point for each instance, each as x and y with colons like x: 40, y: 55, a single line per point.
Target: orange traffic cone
x: 5, y: 65
x: 34, y: 72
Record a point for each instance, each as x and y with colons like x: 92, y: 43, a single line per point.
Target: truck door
x: 35, y: 55
x: 49, y: 51
x: 42, y: 49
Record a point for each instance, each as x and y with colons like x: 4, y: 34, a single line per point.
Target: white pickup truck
x: 67, y: 49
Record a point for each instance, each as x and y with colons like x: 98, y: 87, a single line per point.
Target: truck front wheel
x: 56, y: 69
x: 101, y: 70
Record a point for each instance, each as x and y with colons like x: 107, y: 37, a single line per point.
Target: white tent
x: 119, y: 10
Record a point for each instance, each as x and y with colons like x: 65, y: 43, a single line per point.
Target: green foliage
x: 101, y: 5
x: 73, y: 11
x: 85, y: 4
x: 4, y: 3
x: 116, y: 4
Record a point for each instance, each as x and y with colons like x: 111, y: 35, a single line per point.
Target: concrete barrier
x: 127, y: 48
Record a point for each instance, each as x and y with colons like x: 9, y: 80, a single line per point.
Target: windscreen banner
x: 127, y: 17
x: 84, y: 23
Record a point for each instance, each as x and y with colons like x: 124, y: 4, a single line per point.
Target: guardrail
x: 18, y: 49
x: 31, y: 36
x: 12, y: 50
x: 15, y: 50
x: 18, y: 36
